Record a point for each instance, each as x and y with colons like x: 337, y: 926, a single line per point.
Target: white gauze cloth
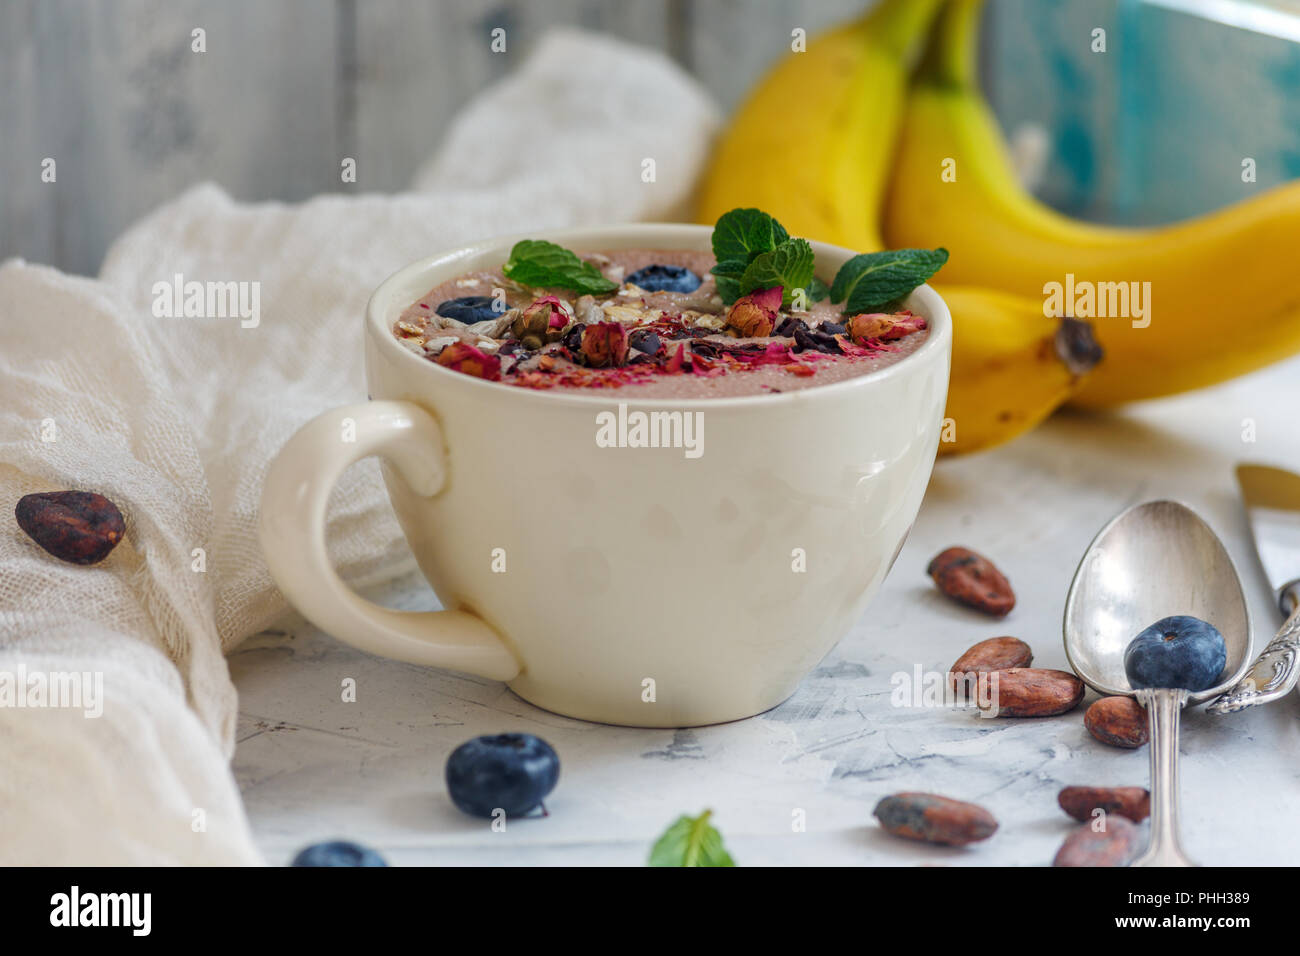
x: 176, y: 420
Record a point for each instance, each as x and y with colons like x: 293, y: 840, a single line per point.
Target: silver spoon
x: 1152, y: 561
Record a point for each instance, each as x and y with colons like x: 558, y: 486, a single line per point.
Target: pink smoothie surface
x: 695, y: 360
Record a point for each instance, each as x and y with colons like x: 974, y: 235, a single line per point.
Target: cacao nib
x: 812, y: 340
x: 645, y: 341
x: 573, y: 338
x: 675, y: 332
x: 789, y: 326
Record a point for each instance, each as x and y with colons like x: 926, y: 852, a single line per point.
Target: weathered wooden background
x: 1154, y: 128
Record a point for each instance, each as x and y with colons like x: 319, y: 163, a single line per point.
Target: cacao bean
x: 971, y: 579
x: 1118, y: 721
x: 934, y: 819
x: 1132, y: 803
x: 995, y: 654
x: 1115, y: 845
x: 1033, y: 692
x: 76, y: 526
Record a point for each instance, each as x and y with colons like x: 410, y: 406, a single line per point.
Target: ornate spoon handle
x: 1274, y: 672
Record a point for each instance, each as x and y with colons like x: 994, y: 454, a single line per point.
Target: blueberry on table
x: 469, y: 309
x: 510, y: 772
x: 1176, y: 652
x: 338, y: 853
x: 662, y: 278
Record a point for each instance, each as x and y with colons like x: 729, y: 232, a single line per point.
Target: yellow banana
x: 1219, y: 295
x: 953, y: 161
x: 811, y: 144
x: 825, y: 182
x: 1012, y: 366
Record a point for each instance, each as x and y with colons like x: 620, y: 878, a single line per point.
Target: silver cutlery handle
x: 1274, y: 672
x: 1164, y: 711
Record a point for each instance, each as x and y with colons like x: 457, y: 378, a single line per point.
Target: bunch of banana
x: 1012, y: 364
x: 1219, y: 294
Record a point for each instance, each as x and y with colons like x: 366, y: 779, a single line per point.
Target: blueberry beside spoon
x: 1179, y: 652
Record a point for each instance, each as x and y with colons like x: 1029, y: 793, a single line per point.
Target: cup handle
x: 292, y: 525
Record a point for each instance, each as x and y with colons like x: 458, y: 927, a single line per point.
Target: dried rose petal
x: 858, y: 351
x: 674, y: 364
x: 753, y: 316
x: 769, y: 299
x: 708, y: 368
x: 882, y: 327
x: 776, y: 353
x: 605, y: 343
x: 465, y: 358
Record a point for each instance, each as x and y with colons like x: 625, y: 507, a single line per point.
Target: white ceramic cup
x: 632, y: 586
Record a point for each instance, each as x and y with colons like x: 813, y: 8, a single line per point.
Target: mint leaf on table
x: 816, y: 289
x: 789, y: 265
x: 691, y: 841
x: 872, y: 280
x: 744, y: 233
x: 544, y: 265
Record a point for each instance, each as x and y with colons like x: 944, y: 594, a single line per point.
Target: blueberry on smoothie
x: 661, y: 278
x: 510, y: 772
x: 1176, y: 652
x: 469, y: 309
x: 338, y: 853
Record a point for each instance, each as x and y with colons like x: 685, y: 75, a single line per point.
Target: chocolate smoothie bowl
x: 652, y: 323
x: 650, y: 535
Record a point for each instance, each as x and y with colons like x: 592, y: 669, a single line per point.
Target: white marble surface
x: 313, y: 767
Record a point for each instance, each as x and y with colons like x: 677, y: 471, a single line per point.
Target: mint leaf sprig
x: 872, y: 280
x: 754, y: 252
x: 544, y: 265
x: 742, y: 234
x: 691, y: 841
